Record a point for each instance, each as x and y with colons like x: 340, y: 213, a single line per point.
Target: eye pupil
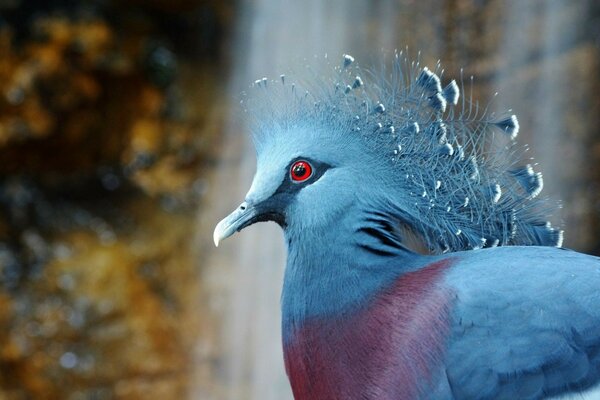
x: 301, y: 171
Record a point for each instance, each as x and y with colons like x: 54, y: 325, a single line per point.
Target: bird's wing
x: 526, y: 323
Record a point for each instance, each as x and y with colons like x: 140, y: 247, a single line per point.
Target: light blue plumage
x: 361, y: 170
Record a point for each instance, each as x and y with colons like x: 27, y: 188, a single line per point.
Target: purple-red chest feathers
x: 389, y: 349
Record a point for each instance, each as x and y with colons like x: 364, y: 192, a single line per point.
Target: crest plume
x: 449, y: 167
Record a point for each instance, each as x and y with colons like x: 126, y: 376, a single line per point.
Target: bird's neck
x: 336, y: 270
x: 361, y: 320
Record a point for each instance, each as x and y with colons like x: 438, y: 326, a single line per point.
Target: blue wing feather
x: 526, y: 323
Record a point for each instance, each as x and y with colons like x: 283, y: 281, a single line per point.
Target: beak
x: 243, y: 216
x: 247, y: 214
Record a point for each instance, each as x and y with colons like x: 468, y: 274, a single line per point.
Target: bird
x: 420, y: 260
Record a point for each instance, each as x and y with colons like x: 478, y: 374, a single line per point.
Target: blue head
x: 393, y: 152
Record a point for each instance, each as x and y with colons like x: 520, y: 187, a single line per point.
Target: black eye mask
x: 272, y: 209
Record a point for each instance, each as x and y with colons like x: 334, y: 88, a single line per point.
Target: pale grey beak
x: 243, y: 216
x: 250, y: 212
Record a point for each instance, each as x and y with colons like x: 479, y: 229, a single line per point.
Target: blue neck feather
x: 337, y: 270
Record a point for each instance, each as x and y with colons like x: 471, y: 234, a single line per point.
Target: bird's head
x: 308, y: 175
x: 393, y: 149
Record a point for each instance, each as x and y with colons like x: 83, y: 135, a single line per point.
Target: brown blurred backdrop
x: 120, y: 149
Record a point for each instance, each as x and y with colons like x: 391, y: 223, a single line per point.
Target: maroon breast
x: 387, y: 350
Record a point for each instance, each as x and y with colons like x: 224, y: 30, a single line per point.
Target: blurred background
x: 121, y: 147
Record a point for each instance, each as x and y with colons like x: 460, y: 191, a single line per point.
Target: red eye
x: 300, y: 171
